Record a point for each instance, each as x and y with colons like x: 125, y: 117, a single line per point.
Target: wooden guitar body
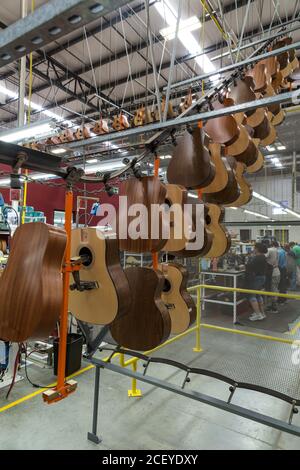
x: 240, y: 145
x: 260, y: 77
x: 179, y: 302
x: 189, y: 251
x: 101, y: 127
x: 191, y: 164
x: 221, y: 174
x: 284, y: 57
x: 222, y: 130
x: 221, y: 238
x: 111, y: 298
x: 66, y: 136
x: 147, y: 324
x: 245, y: 188
x: 54, y: 140
x: 31, y: 284
x: 176, y: 195
x: 258, y: 165
x: 146, y: 191
x: 227, y: 195
x: 249, y: 156
x: 120, y: 122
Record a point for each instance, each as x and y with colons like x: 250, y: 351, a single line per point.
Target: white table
x: 234, y: 274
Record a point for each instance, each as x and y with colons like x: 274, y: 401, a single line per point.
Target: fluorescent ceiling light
x: 234, y: 208
x: 105, y: 166
x: 276, y: 162
x: 256, y: 214
x: 271, y: 148
x: 185, y: 26
x: 42, y: 176
x: 193, y: 195
x: 92, y: 160
x: 12, y: 94
x: 265, y: 199
x: 295, y: 214
x: 168, y: 13
x: 281, y: 147
x: 23, y: 133
x: 165, y: 157
x: 58, y: 151
x: 278, y: 211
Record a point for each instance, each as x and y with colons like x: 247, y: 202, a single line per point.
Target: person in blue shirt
x: 282, y: 265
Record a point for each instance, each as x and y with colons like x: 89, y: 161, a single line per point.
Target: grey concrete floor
x: 159, y: 419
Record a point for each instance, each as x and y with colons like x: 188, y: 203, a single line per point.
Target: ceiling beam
x: 90, y: 89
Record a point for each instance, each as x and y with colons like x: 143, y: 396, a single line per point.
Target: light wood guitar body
x: 221, y: 238
x: 180, y: 304
x: 112, y: 296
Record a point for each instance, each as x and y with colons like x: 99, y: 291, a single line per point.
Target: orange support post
x: 64, y: 388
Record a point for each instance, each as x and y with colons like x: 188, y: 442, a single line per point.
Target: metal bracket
x: 232, y: 390
x: 187, y: 379
x: 52, y: 21
x: 294, y: 411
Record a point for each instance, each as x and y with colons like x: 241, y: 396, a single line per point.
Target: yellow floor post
x: 134, y: 392
x: 198, y: 348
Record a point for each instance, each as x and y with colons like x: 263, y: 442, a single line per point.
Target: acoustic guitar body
x: 229, y: 194
x: 221, y: 177
x: 179, y: 302
x: 283, y: 58
x: 256, y: 119
x: 245, y: 188
x: 260, y: 77
x: 147, y: 323
x: 221, y: 238
x: 263, y: 130
x: 240, y: 145
x: 31, y: 284
x: 222, y: 130
x: 250, y: 155
x: 190, y: 251
x: 177, y: 197
x: 191, y: 164
x: 111, y: 298
x: 258, y: 165
x: 145, y: 191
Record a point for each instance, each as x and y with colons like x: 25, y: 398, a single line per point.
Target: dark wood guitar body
x: 147, y: 191
x: 229, y: 194
x: 250, y: 155
x: 242, y: 91
x: 222, y: 130
x: 31, y: 285
x: 191, y: 165
x: 147, y: 324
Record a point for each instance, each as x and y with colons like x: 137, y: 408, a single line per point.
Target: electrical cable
x: 26, y: 355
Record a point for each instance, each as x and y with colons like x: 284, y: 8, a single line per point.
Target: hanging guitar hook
x: 135, y: 168
x: 173, y: 137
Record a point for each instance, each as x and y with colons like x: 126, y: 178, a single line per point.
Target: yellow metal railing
x: 134, y: 392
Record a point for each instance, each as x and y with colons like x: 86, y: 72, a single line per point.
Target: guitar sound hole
x: 87, y: 255
x: 167, y: 286
x: 208, y: 219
